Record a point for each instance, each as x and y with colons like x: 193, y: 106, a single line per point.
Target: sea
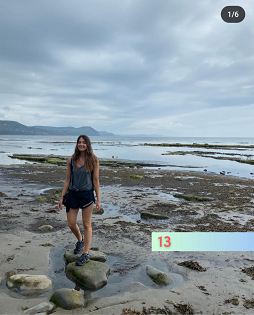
x: 133, y: 149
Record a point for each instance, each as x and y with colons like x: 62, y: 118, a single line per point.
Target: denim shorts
x: 81, y: 199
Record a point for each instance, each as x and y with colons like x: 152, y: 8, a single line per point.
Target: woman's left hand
x: 98, y: 206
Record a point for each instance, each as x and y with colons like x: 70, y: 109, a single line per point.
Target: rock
x: 101, y: 211
x: 92, y: 275
x: 94, y: 255
x: 68, y: 299
x: 136, y: 176
x: 158, y: 276
x: 42, y: 307
x: 29, y: 284
x: 46, y: 228
x: 1, y: 280
x: 149, y: 215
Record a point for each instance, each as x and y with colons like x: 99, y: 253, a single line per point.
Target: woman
x: 81, y: 179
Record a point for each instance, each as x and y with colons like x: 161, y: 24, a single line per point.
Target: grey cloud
x: 122, y: 62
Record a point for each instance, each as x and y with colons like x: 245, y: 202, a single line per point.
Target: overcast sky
x: 173, y: 68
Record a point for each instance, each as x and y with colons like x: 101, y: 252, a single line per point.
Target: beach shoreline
x: 228, y: 208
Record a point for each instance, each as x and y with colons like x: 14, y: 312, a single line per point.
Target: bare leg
x: 72, y: 215
x: 86, y: 217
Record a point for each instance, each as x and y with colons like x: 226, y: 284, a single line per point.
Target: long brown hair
x: 90, y: 158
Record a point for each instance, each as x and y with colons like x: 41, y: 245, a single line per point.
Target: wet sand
x: 117, y: 233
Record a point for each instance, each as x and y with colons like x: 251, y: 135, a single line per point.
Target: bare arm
x: 66, y: 183
x: 96, y: 184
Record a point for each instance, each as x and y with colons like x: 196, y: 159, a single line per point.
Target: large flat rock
x: 68, y: 299
x: 92, y: 275
x: 29, y: 284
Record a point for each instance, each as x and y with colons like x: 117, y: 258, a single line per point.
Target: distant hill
x: 70, y: 131
x: 8, y: 127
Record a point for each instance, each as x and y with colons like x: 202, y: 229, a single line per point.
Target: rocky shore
x: 210, y: 282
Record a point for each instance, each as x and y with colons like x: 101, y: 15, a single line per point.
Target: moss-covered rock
x: 101, y: 211
x: 56, y: 161
x: 28, y: 157
x: 41, y: 199
x: 46, y: 228
x: 136, y: 176
x: 92, y: 275
x: 29, y: 284
x: 70, y: 257
x: 158, y: 276
x: 67, y: 298
x: 149, y: 215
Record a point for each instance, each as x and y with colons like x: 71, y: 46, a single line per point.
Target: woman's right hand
x: 60, y: 206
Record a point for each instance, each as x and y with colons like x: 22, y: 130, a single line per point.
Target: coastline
x: 229, y: 209
x: 234, y: 156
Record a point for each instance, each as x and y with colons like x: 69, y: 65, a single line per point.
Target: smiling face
x: 81, y: 144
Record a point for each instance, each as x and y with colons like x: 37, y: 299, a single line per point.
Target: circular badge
x: 233, y: 14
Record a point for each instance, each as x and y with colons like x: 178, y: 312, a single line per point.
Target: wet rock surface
x: 29, y: 284
x: 159, y: 277
x: 68, y: 299
x: 92, y: 275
